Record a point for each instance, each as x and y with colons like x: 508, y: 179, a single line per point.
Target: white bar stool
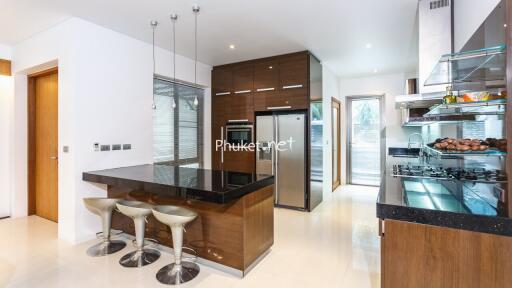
x: 138, y: 211
x: 103, y: 207
x: 176, y: 218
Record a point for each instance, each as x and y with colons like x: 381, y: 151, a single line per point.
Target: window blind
x: 177, y: 132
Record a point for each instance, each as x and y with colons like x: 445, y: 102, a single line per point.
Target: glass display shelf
x: 470, y: 66
x: 438, y: 153
x: 491, y: 107
x: 479, y: 199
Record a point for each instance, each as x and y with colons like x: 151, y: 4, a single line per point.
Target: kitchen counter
x: 190, y: 183
x: 235, y: 226
x: 444, y: 203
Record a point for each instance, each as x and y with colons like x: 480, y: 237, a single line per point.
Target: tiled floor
x: 334, y: 246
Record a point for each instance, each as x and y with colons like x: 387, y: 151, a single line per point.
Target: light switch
x: 65, y: 149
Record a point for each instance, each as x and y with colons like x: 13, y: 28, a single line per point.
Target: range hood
x: 482, y: 65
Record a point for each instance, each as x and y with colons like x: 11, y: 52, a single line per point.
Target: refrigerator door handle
x: 222, y: 148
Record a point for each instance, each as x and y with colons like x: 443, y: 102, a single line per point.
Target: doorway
x: 43, y: 144
x: 366, y: 141
x: 336, y: 144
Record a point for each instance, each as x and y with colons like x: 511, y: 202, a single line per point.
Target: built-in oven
x: 239, y: 132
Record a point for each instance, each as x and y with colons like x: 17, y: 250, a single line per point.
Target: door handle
x: 54, y: 157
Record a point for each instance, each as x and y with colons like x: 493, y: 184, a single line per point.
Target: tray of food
x: 489, y: 146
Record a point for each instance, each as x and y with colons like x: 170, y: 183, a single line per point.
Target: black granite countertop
x: 191, y: 183
x: 446, y: 203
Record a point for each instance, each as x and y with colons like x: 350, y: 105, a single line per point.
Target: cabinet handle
x: 222, y: 93
x: 278, y: 107
x: 242, y: 91
x: 238, y: 120
x: 381, y: 227
x: 265, y: 89
x: 293, y: 86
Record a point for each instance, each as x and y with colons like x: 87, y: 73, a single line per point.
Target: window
x: 177, y: 132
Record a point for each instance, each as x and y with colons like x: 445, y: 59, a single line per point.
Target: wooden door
x: 43, y: 97
x: 336, y: 144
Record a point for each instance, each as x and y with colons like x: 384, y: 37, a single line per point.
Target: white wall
x: 105, y: 96
x: 6, y: 98
x: 391, y: 85
x: 468, y: 16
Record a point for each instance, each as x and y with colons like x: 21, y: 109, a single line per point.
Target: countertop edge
x: 469, y: 222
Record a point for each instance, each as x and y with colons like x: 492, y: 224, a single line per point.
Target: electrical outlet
x: 96, y: 147
x: 65, y: 149
x: 127, y: 146
x: 105, y: 147
x: 116, y: 147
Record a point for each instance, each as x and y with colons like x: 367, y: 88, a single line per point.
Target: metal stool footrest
x: 149, y: 241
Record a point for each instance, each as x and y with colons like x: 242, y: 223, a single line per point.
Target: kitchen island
x: 235, y: 227
x: 443, y: 233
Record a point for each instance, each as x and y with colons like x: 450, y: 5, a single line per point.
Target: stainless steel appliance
x: 287, y: 161
x: 239, y: 132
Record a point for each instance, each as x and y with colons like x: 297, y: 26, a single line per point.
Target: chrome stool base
x: 177, y: 274
x: 106, y: 248
x: 139, y: 258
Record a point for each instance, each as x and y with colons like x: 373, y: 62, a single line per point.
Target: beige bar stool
x: 138, y: 211
x: 103, y: 207
x: 179, y: 271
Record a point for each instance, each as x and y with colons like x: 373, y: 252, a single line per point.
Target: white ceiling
x: 336, y: 31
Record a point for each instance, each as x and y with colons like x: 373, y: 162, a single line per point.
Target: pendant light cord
x: 195, y: 63
x: 174, y: 61
x: 153, y: 24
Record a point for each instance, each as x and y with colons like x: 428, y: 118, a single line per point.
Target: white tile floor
x: 334, y: 246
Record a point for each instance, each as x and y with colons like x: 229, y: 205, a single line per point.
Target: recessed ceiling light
x: 231, y: 46
x: 505, y: 25
x: 375, y: 70
x: 368, y: 45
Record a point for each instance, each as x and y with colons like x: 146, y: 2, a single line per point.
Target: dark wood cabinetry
x: 241, y: 89
x: 422, y: 256
x: 294, y: 71
x: 243, y: 78
x: 266, y: 75
x: 222, y: 81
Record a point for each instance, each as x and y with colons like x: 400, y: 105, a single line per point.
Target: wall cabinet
x: 241, y: 89
x: 222, y: 81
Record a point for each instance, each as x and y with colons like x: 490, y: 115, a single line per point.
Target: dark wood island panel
x: 234, y: 234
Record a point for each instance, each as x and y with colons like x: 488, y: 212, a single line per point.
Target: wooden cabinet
x: 424, y: 256
x: 266, y: 75
x: 243, y: 78
x: 294, y: 71
x: 222, y: 81
x: 241, y: 89
x: 281, y: 100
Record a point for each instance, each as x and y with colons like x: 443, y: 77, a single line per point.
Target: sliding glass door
x: 365, y: 141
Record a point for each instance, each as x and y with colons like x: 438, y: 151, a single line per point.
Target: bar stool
x: 138, y: 211
x: 176, y: 218
x: 103, y: 207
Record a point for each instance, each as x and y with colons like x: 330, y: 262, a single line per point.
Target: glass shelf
x: 489, y: 152
x: 470, y: 66
x: 492, y: 107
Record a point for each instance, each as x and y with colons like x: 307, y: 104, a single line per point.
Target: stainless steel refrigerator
x: 288, y: 163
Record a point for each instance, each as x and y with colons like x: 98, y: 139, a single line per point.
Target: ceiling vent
x: 439, y: 4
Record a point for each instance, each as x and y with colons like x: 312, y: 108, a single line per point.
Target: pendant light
x: 195, y: 9
x: 174, y: 18
x: 153, y: 26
